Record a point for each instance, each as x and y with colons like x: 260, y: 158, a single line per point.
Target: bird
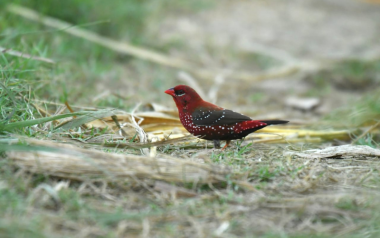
x: 211, y: 122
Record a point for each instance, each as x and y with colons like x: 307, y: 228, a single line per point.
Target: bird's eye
x: 180, y: 92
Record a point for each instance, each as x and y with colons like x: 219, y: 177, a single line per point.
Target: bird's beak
x: 170, y: 91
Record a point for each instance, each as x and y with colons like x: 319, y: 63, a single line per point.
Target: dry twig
x: 70, y: 162
x: 336, y: 151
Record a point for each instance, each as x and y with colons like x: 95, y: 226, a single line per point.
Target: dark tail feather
x: 275, y: 122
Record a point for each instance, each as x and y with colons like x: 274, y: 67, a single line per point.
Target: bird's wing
x: 211, y: 117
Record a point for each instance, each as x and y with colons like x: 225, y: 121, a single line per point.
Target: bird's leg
x: 227, y: 143
x: 216, y: 144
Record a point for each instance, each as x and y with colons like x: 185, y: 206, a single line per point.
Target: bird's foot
x: 227, y: 143
x: 217, y: 144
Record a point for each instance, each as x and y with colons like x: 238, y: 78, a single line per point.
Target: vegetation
x: 254, y: 189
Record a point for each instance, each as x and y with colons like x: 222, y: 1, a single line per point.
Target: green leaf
x: 6, y: 146
x: 21, y: 124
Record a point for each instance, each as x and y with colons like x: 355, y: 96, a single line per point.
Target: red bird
x: 211, y: 122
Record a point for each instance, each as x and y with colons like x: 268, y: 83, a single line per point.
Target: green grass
x: 87, y: 64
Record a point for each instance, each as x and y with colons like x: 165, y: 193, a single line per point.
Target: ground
x: 252, y: 189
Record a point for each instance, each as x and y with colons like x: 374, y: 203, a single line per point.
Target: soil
x: 293, y: 30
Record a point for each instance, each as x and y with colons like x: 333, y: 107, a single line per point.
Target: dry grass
x: 71, y: 162
x: 276, y: 193
x: 270, y: 184
x: 109, y: 173
x: 248, y: 189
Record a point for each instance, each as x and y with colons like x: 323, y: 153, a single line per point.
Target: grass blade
x: 21, y: 124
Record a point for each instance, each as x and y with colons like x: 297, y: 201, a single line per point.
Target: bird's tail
x: 274, y: 122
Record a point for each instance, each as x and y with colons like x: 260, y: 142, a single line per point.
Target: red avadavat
x: 211, y: 122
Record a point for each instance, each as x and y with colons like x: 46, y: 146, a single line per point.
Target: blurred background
x: 297, y: 60
x: 315, y: 63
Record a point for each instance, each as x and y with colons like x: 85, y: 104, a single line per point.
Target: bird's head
x: 184, y: 96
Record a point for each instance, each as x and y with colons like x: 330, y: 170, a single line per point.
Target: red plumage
x: 211, y: 122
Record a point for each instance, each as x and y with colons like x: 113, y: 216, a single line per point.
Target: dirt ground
x: 288, y: 31
x: 96, y: 183
x: 300, y: 29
